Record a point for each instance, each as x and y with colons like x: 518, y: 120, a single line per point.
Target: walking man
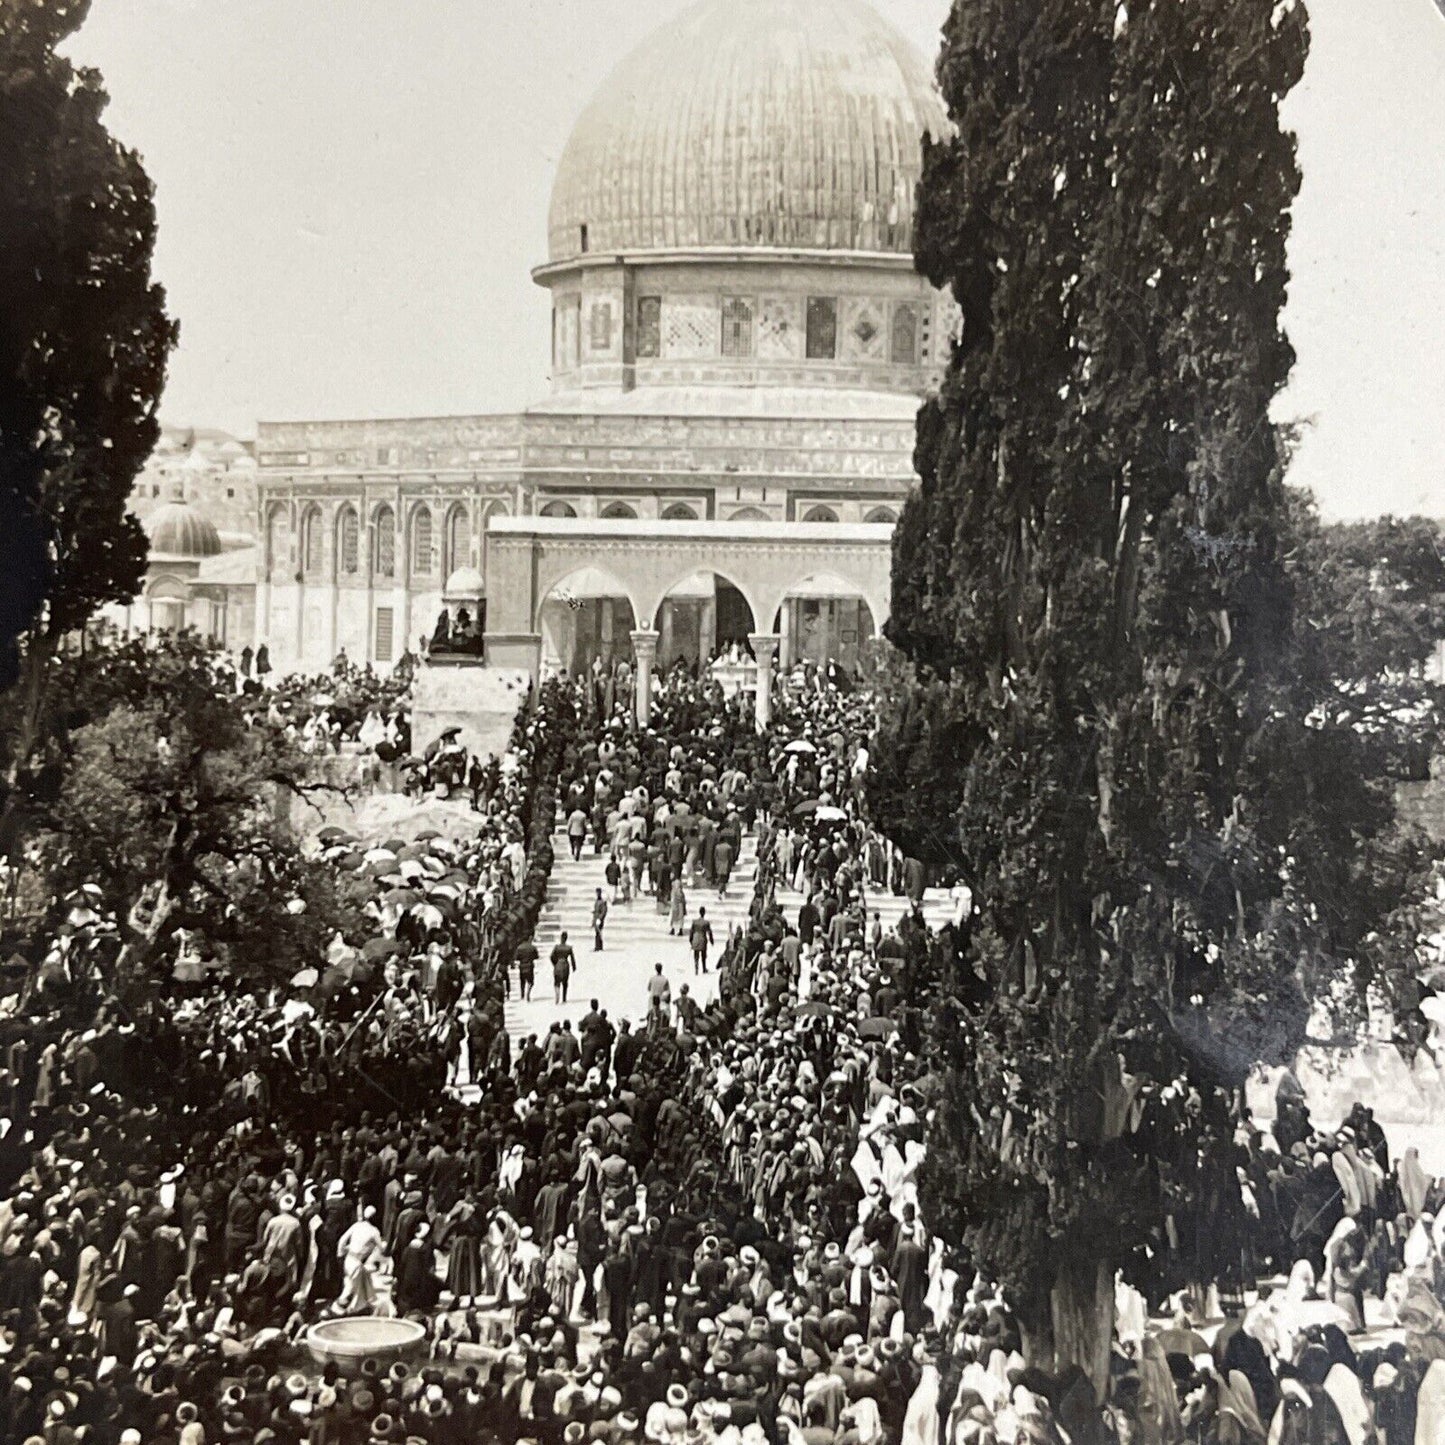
x: 526, y: 968
x: 722, y: 862
x: 599, y: 917
x: 659, y: 998
x: 564, y: 965
x: 576, y: 832
x: 700, y: 936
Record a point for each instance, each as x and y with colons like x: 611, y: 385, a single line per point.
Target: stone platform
x: 466, y: 693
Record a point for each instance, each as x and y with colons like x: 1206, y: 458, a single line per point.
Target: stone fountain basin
x: 355, y: 1338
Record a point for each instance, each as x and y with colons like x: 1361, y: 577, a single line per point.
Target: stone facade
x: 739, y: 342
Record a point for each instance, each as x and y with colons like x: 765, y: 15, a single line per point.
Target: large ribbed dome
x: 751, y: 123
x: 179, y: 531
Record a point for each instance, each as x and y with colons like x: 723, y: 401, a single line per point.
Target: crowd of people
x: 699, y: 1225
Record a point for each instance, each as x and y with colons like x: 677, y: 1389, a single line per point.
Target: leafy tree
x: 1112, y: 729
x: 1372, y: 602
x: 166, y: 801
x: 84, y: 339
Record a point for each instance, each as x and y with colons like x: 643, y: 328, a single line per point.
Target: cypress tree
x: 1112, y: 726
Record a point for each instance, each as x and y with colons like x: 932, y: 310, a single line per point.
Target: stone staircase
x: 634, y: 939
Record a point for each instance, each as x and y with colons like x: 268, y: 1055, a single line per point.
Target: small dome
x: 465, y: 583
x: 178, y: 530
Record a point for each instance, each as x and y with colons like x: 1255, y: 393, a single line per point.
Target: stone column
x: 765, y: 650
x: 644, y: 651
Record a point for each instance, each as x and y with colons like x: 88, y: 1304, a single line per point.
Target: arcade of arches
x: 744, y: 595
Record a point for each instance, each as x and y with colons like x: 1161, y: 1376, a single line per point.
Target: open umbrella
x: 434, y: 866
x: 333, y: 834
x: 876, y: 1028
x: 806, y: 808
x: 411, y: 870
x: 429, y: 915
x: 426, y: 834
x: 401, y: 897
x: 375, y: 949
x: 828, y: 814
x: 412, y: 851
x: 395, y: 845
x: 800, y: 745
x: 306, y: 978
x: 814, y: 1010
x: 1182, y: 1342
x: 380, y: 855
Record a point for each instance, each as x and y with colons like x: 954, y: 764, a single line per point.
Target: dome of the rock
x: 785, y: 124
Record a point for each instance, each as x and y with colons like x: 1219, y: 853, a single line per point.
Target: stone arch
x: 843, y: 577
x: 167, y: 599
x: 552, y: 580
x: 820, y: 513
x: 619, y: 511
x: 558, y: 508
x: 679, y: 512
x: 583, y: 611
x: 749, y: 514
x: 697, y: 623
x: 832, y: 614
x: 881, y: 514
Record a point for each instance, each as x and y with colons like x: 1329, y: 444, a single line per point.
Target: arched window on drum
x: 348, y: 542
x: 277, y: 543
x: 458, y: 540
x: 423, y: 558
x: 312, y: 550
x: 383, y: 562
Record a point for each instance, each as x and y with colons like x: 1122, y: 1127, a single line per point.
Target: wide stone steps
x: 635, y: 938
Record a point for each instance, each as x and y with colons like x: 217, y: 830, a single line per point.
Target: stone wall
x: 464, y: 693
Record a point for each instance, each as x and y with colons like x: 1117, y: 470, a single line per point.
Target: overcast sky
x: 352, y: 193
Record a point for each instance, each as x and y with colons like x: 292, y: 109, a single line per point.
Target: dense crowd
x: 698, y: 1225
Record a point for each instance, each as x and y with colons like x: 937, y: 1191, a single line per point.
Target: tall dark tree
x: 84, y: 339
x: 1112, y: 729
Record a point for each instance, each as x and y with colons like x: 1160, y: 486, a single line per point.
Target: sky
x: 351, y: 195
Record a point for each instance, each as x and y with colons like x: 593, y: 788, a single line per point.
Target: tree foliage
x: 162, y: 792
x: 84, y: 339
x: 1111, y: 729
x: 1372, y: 604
